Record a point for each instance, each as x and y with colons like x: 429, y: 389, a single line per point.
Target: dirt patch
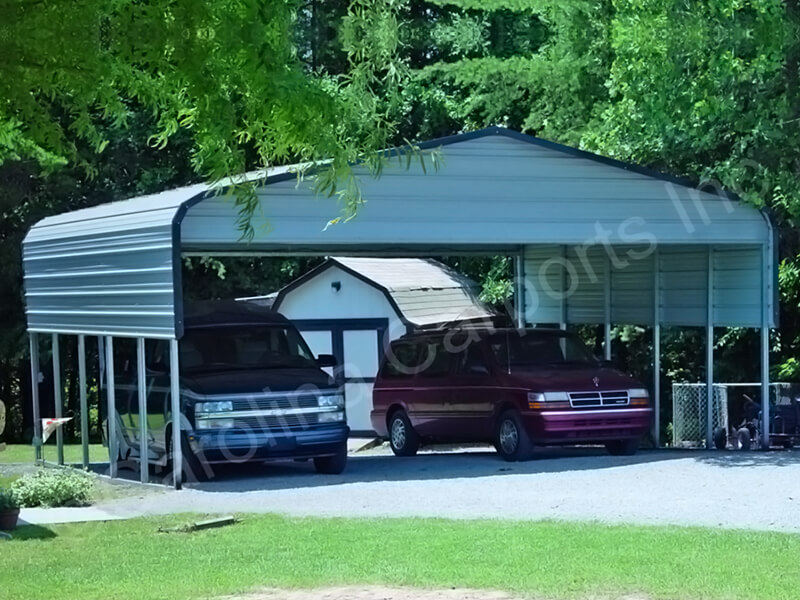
x: 373, y: 593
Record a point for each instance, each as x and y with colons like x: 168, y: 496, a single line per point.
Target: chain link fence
x: 689, y: 408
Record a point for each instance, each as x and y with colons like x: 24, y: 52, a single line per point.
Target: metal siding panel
x: 118, y: 283
x: 543, y: 284
x: 737, y: 286
x: 490, y: 191
x: 683, y: 280
x: 632, y: 293
x: 586, y: 303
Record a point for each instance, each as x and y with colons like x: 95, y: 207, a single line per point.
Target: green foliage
x: 53, y: 487
x: 8, y: 500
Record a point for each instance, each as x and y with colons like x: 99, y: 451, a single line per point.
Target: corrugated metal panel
x: 545, y: 274
x: 737, y: 290
x: 492, y: 190
x: 586, y: 284
x: 111, y: 269
x: 105, y: 270
x: 683, y: 285
x: 632, y: 285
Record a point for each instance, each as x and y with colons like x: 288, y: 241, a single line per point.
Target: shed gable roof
x: 423, y: 292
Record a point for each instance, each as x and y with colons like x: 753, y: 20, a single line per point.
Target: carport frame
x: 767, y: 256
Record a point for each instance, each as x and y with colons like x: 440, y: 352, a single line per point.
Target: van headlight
x: 213, y: 407
x: 330, y: 400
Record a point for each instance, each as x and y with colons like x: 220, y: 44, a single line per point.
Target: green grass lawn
x: 23, y: 453
x: 130, y: 559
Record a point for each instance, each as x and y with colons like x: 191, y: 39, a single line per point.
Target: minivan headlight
x: 330, y: 400
x: 638, y: 397
x: 214, y: 407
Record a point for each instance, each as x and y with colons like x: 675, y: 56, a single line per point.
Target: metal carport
x: 594, y: 241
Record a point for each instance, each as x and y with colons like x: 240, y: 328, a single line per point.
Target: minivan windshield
x: 244, y: 348
x: 534, y: 349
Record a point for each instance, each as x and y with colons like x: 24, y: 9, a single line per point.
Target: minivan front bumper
x: 241, y: 445
x: 597, y: 425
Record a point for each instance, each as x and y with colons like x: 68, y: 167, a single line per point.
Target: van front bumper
x: 581, y: 425
x: 239, y: 445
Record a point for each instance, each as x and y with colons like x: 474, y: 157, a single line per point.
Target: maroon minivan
x: 515, y: 388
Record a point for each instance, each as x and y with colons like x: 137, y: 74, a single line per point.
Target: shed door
x: 356, y: 343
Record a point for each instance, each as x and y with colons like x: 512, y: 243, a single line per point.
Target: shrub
x: 8, y: 500
x: 53, y: 487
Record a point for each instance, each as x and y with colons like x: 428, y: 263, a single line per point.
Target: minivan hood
x: 572, y: 379
x: 256, y: 381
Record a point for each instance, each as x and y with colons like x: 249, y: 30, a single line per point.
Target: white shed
x: 352, y: 307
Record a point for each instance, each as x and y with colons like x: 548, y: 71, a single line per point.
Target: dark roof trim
x: 328, y: 264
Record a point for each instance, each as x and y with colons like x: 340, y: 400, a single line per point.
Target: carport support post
x: 83, y: 402
x: 175, y: 399
x: 37, y: 419
x: 57, y: 400
x: 141, y: 383
x: 519, y: 289
x: 710, y: 351
x: 111, y: 417
x: 765, y: 306
x: 607, y: 309
x: 656, y: 353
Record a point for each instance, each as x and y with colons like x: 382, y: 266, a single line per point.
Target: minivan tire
x: 511, y: 440
x: 627, y: 447
x: 403, y: 440
x: 334, y: 464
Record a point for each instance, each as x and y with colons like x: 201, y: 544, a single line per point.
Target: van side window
x: 401, y: 360
x: 471, y: 361
x: 435, y: 359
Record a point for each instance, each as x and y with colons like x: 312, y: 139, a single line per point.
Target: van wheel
x: 511, y: 440
x: 332, y: 465
x: 402, y: 437
x: 627, y: 447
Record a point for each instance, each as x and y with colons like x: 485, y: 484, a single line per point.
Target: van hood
x: 572, y: 379
x: 256, y: 381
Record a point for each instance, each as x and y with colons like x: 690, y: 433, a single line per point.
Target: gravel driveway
x: 726, y: 489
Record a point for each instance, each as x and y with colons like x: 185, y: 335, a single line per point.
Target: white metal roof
x: 115, y: 268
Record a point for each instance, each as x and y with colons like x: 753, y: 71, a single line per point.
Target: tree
x: 225, y: 71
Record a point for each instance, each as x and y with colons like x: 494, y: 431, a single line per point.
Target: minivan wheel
x: 402, y: 437
x: 627, y: 447
x: 511, y: 440
x: 332, y: 465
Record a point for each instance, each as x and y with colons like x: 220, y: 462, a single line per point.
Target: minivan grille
x: 598, y: 399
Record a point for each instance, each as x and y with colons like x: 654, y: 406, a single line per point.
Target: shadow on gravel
x: 751, y: 459
x: 369, y: 468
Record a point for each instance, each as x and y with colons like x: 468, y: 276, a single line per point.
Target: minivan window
x: 540, y: 350
x: 401, y: 360
x: 435, y: 360
x: 244, y: 347
x: 471, y: 361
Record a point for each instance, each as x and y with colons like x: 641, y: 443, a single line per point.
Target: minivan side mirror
x: 478, y: 370
x: 326, y: 360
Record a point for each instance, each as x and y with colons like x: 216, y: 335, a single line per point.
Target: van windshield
x: 540, y: 349
x: 244, y: 348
